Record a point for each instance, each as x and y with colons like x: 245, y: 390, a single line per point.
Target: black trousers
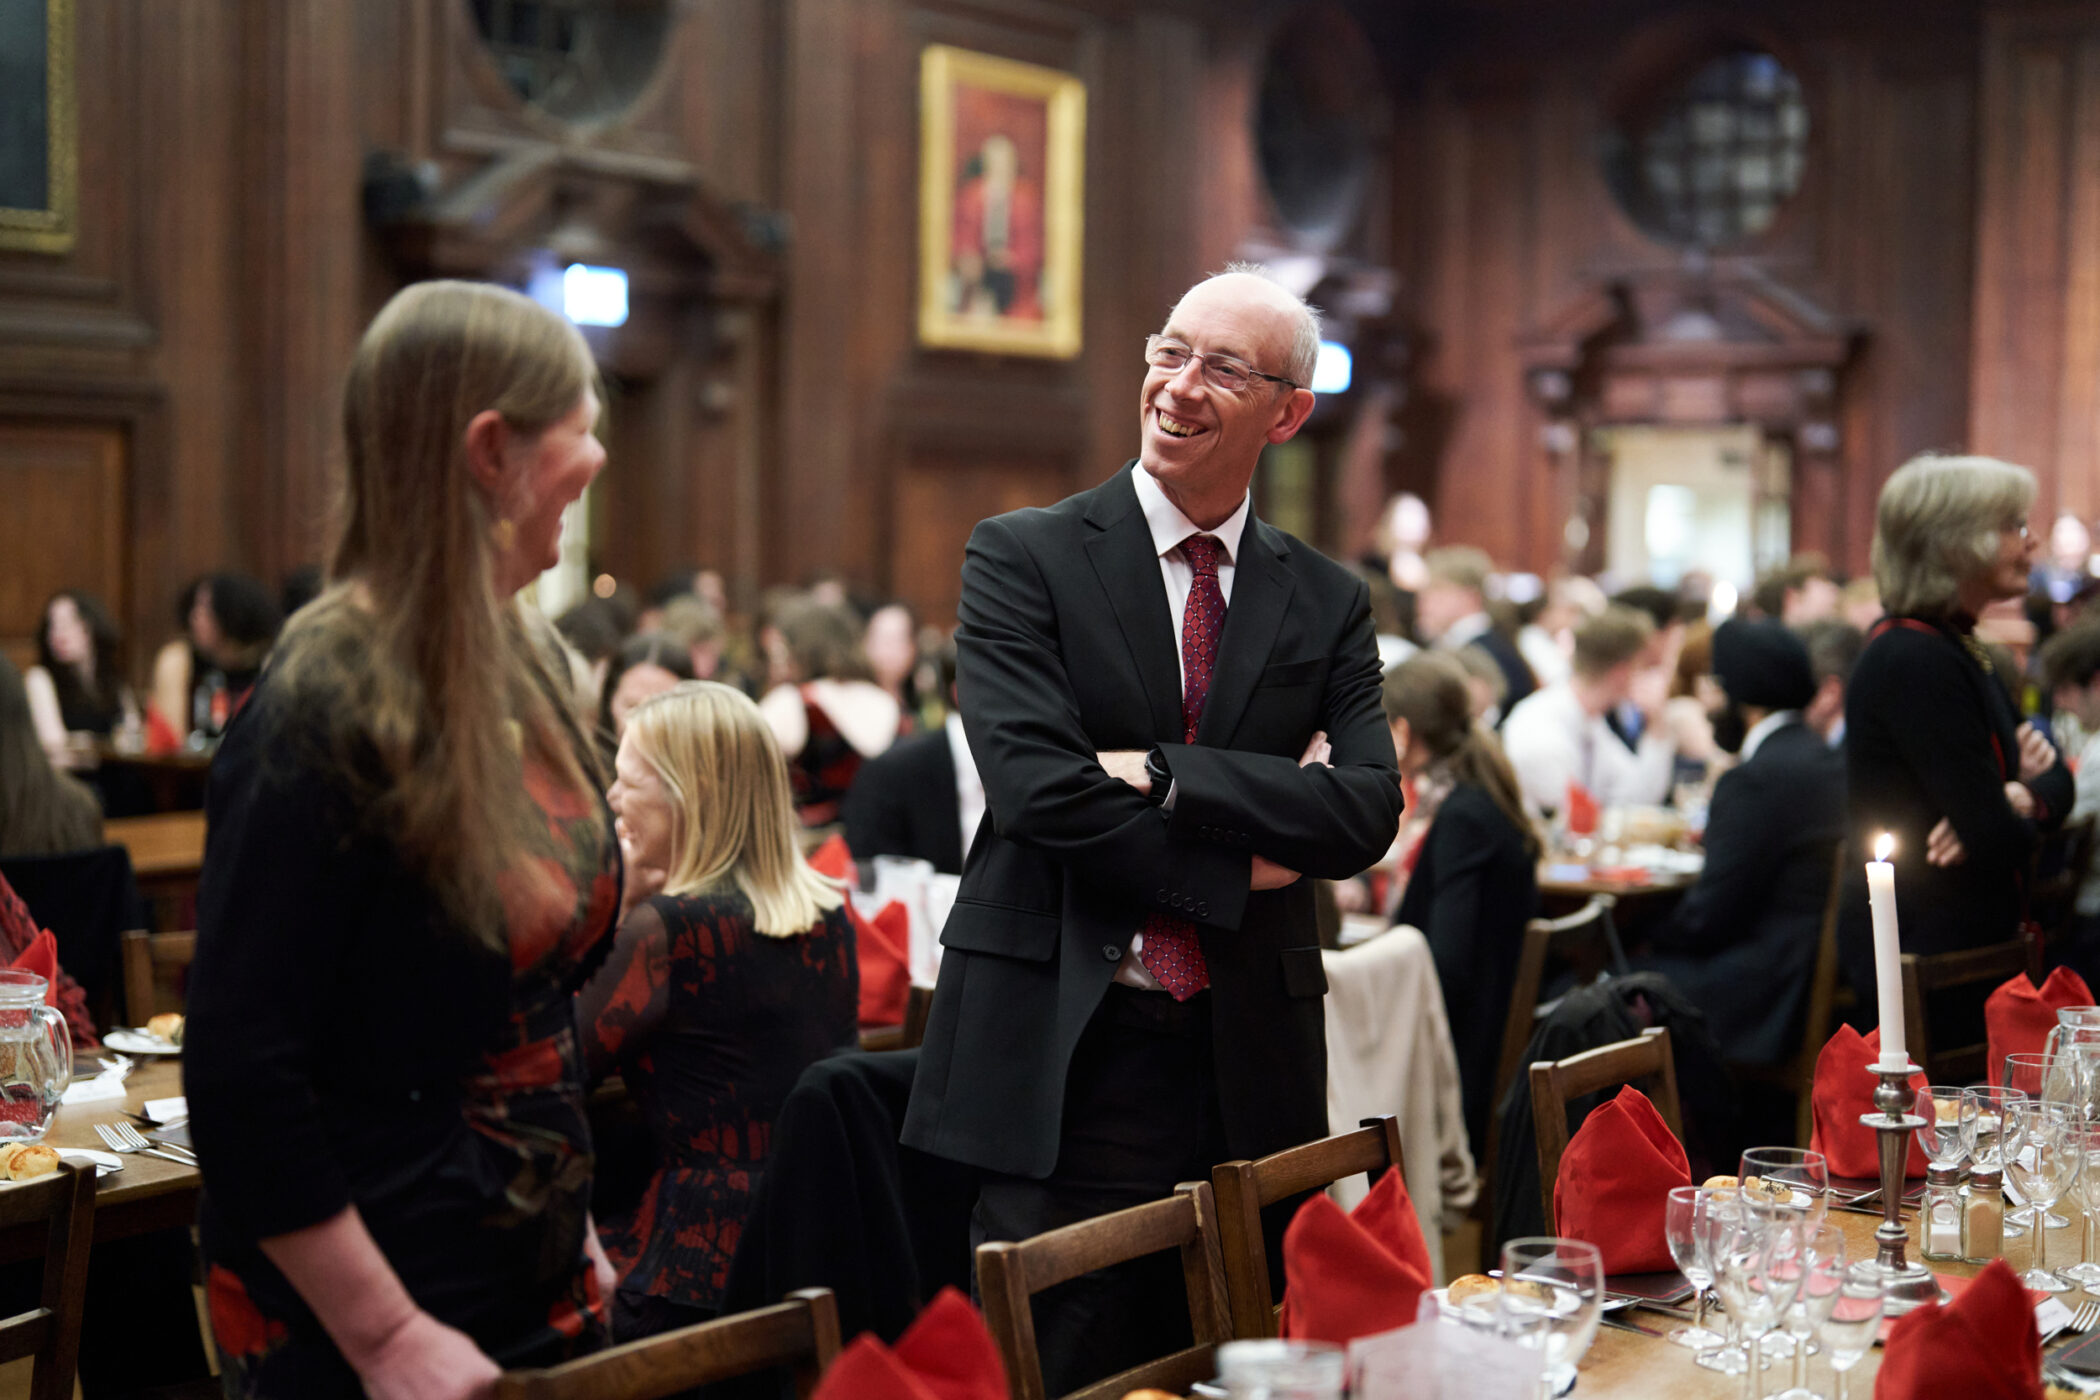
x: 1141, y: 1114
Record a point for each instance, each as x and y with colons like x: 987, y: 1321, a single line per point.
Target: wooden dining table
x: 1629, y: 1364
x: 148, y: 1193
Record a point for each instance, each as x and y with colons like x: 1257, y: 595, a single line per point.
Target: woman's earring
x: 504, y: 532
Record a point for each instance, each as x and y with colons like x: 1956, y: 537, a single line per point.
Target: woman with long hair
x: 43, y: 812
x: 1475, y: 878
x: 731, y: 978
x: 410, y: 872
x: 228, y: 622
x: 77, y: 685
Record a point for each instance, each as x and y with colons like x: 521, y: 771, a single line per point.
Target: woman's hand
x: 2021, y: 799
x: 1943, y: 847
x: 601, y: 1266
x: 423, y: 1359
x: 2037, y: 754
x: 642, y: 880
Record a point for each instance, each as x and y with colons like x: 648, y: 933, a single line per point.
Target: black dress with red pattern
x: 824, y: 769
x: 710, y: 1023
x: 347, y: 1045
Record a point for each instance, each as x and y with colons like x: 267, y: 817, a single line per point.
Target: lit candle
x: 1888, y: 954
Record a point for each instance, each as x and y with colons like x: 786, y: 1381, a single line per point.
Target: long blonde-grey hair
x: 420, y: 663
x: 736, y: 825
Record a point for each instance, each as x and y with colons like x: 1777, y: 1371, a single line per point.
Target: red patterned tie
x: 1171, y: 952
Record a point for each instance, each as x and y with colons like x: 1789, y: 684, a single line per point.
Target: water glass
x: 1822, y: 1270
x: 1947, y: 1110
x: 1759, y: 1272
x: 1280, y: 1370
x: 2040, y: 1077
x: 1717, y: 1226
x: 1682, y: 1219
x: 1804, y: 1176
x: 1562, y: 1282
x: 2085, y: 1184
x: 1849, y: 1327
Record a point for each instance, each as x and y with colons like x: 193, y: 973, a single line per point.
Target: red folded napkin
x: 1845, y: 1090
x: 945, y: 1355
x: 2019, y: 1015
x: 884, y: 946
x: 1582, y: 810
x: 41, y: 958
x: 833, y: 858
x: 1981, y: 1346
x: 1614, y: 1184
x: 1348, y: 1276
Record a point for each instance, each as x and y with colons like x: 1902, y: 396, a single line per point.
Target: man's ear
x: 1296, y: 410
x: 486, y: 437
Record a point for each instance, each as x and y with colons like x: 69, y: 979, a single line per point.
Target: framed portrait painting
x: 39, y: 170
x: 1002, y: 152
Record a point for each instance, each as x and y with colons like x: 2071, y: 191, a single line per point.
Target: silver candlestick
x: 1906, y: 1285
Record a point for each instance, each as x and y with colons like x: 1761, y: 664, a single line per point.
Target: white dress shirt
x: 1552, y: 741
x: 1169, y: 528
x: 969, y: 785
x: 1763, y: 730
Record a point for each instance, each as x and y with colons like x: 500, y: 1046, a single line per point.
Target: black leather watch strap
x: 1156, y: 771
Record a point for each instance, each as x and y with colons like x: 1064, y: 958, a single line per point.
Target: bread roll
x: 167, y: 1026
x: 1469, y: 1285
x: 7, y: 1157
x: 32, y: 1159
x: 1527, y: 1288
x: 1150, y: 1394
x: 1721, y: 1182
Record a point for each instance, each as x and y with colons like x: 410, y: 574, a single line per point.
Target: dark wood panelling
x: 61, y: 481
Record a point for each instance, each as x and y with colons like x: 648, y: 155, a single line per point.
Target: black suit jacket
x: 1473, y: 889
x: 1066, y: 648
x: 902, y: 803
x: 1516, y: 671
x: 1742, y: 942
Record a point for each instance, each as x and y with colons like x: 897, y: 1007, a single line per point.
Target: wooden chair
x: 1243, y: 1188
x: 908, y: 1035
x: 1797, y: 1073
x: 2054, y: 899
x: 50, y: 1331
x: 153, y: 964
x: 1981, y: 968
x: 1555, y: 1082
x: 1010, y: 1274
x: 800, y: 1334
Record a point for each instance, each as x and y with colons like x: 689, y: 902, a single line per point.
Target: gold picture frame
x: 1002, y: 183
x: 52, y: 224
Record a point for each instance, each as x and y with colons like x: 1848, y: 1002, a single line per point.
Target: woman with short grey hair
x: 1936, y: 752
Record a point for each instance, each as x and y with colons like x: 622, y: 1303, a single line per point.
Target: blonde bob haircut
x: 736, y: 814
x: 1937, y: 527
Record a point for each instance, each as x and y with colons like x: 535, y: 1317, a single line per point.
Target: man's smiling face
x: 1200, y: 442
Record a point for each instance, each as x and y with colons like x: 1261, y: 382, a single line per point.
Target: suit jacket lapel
x: 1261, y: 591
x: 1124, y: 561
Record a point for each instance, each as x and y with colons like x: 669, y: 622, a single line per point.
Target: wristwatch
x: 1156, y: 772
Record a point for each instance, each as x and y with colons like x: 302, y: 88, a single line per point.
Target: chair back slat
x: 152, y: 962
x: 1243, y: 1188
x: 1555, y: 1082
x: 800, y: 1334
x: 1983, y: 969
x: 1010, y: 1273
x: 50, y: 1331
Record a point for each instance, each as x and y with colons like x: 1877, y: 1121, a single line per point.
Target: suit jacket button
x: 1175, y: 901
x: 1203, y: 909
x: 1111, y: 952
x: 1162, y: 896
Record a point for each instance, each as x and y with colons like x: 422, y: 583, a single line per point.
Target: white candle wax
x: 1888, y: 966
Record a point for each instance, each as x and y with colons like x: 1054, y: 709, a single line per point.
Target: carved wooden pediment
x: 1699, y: 346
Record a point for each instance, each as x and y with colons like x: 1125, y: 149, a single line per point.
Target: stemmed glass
x: 1683, y: 1218
x: 2050, y: 1077
x: 1822, y: 1265
x: 1848, y: 1330
x: 1804, y: 1176
x: 1760, y: 1270
x: 1716, y: 1227
x: 2041, y: 1157
x: 1567, y: 1278
x: 1948, y: 1111
x: 1984, y: 1134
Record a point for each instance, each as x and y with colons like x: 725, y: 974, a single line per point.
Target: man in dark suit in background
x: 921, y: 797
x: 1742, y: 941
x: 1175, y: 708
x: 1451, y: 612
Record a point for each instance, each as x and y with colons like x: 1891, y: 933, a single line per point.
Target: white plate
x: 138, y: 1042
x: 103, y: 1162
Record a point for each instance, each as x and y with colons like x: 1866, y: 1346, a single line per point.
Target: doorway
x: 1710, y: 500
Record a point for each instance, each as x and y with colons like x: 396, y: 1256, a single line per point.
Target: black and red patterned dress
x: 347, y: 1046
x: 710, y: 1023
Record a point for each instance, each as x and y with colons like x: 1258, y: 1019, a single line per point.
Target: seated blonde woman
x: 733, y: 971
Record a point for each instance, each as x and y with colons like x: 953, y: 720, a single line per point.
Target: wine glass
x: 1984, y: 1134
x: 1715, y: 1227
x: 1563, y: 1282
x: 2040, y: 1077
x: 1682, y: 1221
x: 1943, y: 1137
x: 2040, y: 1158
x: 1760, y: 1270
x: 1849, y: 1328
x: 2085, y: 1183
x: 1821, y: 1265
x: 1795, y: 1181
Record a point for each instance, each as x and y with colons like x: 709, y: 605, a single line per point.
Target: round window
x: 579, y: 60
x: 1710, y: 161
x: 1317, y: 122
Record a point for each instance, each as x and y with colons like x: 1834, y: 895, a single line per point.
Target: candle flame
x: 1883, y: 845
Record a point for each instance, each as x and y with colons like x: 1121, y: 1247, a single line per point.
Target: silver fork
x: 114, y: 1137
x: 139, y: 1140
x: 2086, y: 1318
